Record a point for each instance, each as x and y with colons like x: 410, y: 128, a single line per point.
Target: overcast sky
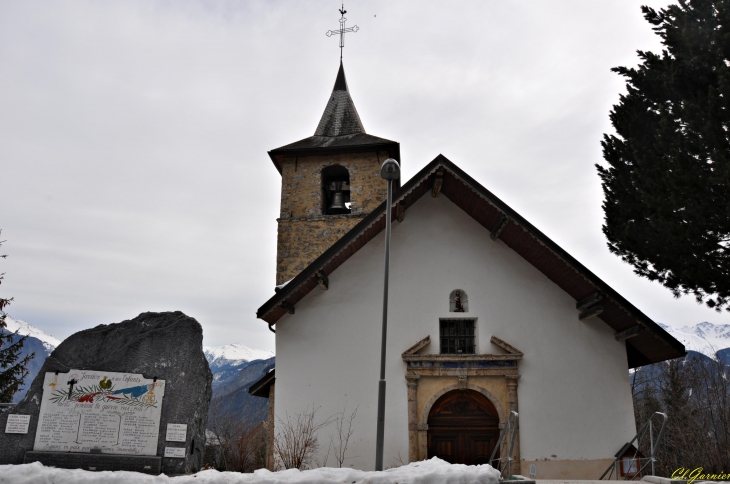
x: 133, y: 138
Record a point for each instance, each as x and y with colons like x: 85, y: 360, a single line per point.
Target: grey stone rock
x: 168, y: 346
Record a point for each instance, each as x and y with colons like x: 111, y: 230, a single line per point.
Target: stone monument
x: 126, y: 396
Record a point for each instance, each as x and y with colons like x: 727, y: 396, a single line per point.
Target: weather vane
x: 342, y: 30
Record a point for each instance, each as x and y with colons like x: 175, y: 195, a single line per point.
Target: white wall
x: 574, y: 395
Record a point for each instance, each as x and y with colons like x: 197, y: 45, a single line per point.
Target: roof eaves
x: 260, y: 387
x: 329, y: 150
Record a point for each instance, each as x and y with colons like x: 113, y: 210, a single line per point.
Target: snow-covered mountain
x: 705, y: 337
x: 38, y: 342
x: 235, y: 368
x: 234, y: 354
x: 27, y: 329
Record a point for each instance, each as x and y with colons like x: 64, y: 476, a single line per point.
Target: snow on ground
x: 233, y: 354
x: 27, y: 329
x: 434, y: 471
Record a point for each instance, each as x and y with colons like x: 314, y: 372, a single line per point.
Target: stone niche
x: 166, y: 350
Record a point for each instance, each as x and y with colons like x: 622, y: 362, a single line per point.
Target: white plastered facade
x: 574, y: 395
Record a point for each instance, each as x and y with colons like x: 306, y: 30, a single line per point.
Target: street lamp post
x: 389, y: 171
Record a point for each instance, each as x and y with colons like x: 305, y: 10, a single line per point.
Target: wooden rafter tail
x: 438, y: 182
x: 630, y: 333
x: 323, y: 280
x: 496, y: 231
x: 287, y: 306
x: 400, y: 211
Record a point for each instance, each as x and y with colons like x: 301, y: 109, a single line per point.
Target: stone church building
x: 487, y: 315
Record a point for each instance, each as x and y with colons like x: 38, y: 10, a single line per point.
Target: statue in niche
x: 458, y: 302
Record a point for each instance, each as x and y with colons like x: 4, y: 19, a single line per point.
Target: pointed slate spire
x: 340, y: 117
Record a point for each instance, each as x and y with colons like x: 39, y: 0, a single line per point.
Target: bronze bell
x: 338, y: 200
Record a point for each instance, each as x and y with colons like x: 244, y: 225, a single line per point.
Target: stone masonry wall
x: 301, y: 241
x: 303, y: 232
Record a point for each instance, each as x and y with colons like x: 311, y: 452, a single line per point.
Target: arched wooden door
x: 463, y: 428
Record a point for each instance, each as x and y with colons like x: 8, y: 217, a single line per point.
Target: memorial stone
x: 114, y: 413
x: 17, y: 424
x: 105, y: 396
x: 176, y: 432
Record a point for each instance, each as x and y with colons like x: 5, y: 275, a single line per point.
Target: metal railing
x: 510, y: 432
x: 637, y: 463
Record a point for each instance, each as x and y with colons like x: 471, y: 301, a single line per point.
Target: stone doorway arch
x: 463, y: 428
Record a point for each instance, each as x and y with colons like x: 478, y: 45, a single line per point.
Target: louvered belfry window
x: 457, y: 336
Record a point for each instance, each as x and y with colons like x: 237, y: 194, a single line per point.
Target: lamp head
x: 390, y: 169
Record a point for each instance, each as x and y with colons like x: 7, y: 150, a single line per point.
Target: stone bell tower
x: 329, y: 182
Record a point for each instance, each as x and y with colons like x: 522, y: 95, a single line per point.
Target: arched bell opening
x: 463, y: 428
x: 335, y: 190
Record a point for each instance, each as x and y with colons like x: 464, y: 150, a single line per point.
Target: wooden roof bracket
x: 287, y: 306
x: 590, y: 307
x: 630, y: 333
x: 503, y: 221
x: 323, y: 280
x: 438, y: 181
x: 400, y: 211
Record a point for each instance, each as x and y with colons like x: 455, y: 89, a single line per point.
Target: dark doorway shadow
x: 463, y: 428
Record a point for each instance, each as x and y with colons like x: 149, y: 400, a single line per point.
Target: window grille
x: 457, y: 336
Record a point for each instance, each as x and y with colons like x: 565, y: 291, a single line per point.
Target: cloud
x: 134, y: 136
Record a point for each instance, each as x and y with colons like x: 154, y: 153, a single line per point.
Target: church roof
x: 649, y: 343
x: 340, y: 117
x: 260, y: 388
x: 339, y: 130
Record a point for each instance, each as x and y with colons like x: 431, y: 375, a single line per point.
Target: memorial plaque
x: 118, y: 413
x: 176, y: 432
x: 176, y: 452
x: 17, y: 424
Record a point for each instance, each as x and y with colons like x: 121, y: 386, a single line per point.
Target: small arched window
x: 458, y: 301
x: 335, y: 190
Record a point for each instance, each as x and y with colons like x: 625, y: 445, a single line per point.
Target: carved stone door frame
x: 458, y: 372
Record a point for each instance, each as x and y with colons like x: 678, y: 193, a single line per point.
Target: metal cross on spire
x: 342, y: 30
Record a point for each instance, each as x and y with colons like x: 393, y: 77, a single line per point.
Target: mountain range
x: 706, y: 338
x: 235, y: 367
x: 38, y: 342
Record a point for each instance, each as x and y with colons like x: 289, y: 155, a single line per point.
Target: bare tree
x: 296, y: 443
x: 695, y: 394
x: 237, y: 445
x: 344, y: 432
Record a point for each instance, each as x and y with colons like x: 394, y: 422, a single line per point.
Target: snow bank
x: 434, y: 471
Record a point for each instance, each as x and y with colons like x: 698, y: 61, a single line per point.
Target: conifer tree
x: 12, y: 369
x: 667, y: 186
